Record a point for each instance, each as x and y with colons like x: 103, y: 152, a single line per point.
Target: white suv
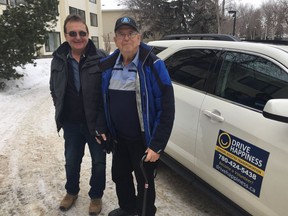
x: 231, y: 118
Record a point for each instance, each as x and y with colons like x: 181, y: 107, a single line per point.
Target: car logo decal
x: 224, y: 140
x: 240, y: 161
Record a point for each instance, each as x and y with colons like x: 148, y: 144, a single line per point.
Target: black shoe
x: 121, y: 212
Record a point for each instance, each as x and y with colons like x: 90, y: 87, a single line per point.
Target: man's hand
x: 101, y: 138
x: 151, y: 155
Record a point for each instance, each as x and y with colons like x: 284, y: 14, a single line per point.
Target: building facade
x: 90, y: 10
x: 111, y: 11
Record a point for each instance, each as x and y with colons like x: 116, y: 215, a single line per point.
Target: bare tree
x: 160, y: 17
x: 273, y: 18
x: 218, y: 16
x: 107, y: 43
x: 284, y: 12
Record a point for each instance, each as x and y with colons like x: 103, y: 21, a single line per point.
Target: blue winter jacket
x: 154, y: 94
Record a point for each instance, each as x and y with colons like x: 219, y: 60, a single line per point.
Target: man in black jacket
x: 75, y: 86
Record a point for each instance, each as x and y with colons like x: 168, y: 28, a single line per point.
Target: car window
x: 251, y: 80
x: 157, y: 50
x: 191, y: 67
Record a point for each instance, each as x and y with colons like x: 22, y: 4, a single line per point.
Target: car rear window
x: 251, y: 80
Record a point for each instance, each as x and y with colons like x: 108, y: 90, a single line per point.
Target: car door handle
x: 214, y: 115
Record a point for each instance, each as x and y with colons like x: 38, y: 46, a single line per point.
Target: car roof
x: 224, y: 37
x: 277, y: 52
x: 284, y: 48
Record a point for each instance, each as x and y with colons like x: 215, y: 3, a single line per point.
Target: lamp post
x: 234, y: 15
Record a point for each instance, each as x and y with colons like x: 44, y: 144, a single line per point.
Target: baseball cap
x: 125, y: 21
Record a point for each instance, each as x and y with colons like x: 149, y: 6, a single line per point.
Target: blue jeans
x: 76, y: 136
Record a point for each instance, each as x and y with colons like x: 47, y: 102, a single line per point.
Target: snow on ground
x: 32, y: 174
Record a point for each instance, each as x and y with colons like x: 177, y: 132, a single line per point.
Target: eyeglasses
x: 74, y: 33
x: 130, y: 35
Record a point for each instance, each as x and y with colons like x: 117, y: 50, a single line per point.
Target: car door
x: 189, y: 70
x: 238, y: 151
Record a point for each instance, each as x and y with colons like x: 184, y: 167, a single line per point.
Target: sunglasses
x: 74, y: 33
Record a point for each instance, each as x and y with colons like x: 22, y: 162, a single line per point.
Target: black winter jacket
x: 90, y: 83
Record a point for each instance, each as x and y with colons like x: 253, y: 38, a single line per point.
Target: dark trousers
x: 76, y: 136
x: 126, y: 160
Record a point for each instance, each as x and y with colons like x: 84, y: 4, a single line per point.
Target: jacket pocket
x: 57, y: 79
x: 56, y: 68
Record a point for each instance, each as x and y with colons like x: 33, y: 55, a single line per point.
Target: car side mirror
x: 276, y: 109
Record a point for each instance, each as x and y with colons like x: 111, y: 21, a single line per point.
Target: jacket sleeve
x: 51, y: 81
x: 165, y: 108
x: 101, y: 126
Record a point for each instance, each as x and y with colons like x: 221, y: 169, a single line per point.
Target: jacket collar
x: 109, y: 61
x: 64, y: 48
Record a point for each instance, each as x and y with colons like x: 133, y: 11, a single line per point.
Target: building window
x: 72, y: 10
x: 93, y: 19
x: 16, y: 2
x: 81, y: 13
x: 95, y: 41
x: 52, y: 42
x: 4, y: 2
x: 93, y: 1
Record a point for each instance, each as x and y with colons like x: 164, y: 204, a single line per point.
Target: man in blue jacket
x: 139, y: 108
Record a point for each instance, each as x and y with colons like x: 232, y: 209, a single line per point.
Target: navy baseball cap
x: 125, y: 21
